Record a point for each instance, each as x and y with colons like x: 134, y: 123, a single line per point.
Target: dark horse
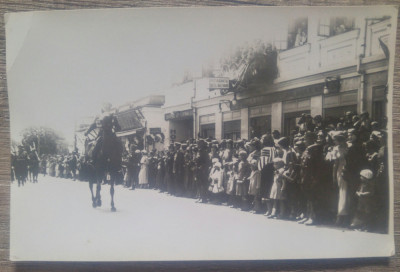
x: 33, y: 166
x: 104, y: 157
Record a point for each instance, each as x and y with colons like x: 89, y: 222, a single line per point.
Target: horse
x: 104, y: 160
x: 33, y: 162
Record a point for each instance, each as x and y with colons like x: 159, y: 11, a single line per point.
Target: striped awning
x: 130, y: 121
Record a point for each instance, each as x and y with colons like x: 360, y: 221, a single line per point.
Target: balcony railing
x: 334, y: 52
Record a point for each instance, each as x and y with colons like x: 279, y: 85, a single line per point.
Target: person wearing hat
x: 318, y: 122
x: 355, y: 161
x: 312, y: 172
x: 276, y: 190
x: 133, y: 167
x: 216, y: 182
x: 283, y: 146
x: 169, y: 167
x: 202, y: 164
x: 227, y: 153
x: 214, y: 152
x: 107, y: 125
x: 255, y: 148
x: 244, y: 171
x: 276, y: 135
x: 230, y: 176
x: 152, y: 170
x: 254, y: 187
x: 21, y: 166
x: 161, y: 173
x: 178, y: 169
x: 265, y: 165
x: 338, y: 155
x: 144, y: 170
x: 365, y: 121
x: 73, y: 164
x: 366, y: 201
x: 382, y: 188
x: 188, y: 172
x: 348, y: 122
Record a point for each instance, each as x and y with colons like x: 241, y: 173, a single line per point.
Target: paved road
x: 54, y: 220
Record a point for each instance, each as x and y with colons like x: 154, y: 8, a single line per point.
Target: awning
x: 130, y: 119
x: 179, y: 115
x: 128, y: 132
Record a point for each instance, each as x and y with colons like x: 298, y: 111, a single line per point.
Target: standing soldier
x: 135, y: 161
x: 311, y: 175
x: 73, y: 164
x: 152, y: 169
x: 169, y: 170
x: 202, y: 162
x: 21, y: 166
x: 178, y: 169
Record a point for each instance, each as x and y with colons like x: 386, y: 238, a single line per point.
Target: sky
x: 63, y: 65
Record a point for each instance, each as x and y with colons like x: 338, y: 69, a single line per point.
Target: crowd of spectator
x: 323, y: 173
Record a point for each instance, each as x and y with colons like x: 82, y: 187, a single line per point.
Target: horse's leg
x: 91, y: 191
x: 98, y: 188
x: 112, y: 182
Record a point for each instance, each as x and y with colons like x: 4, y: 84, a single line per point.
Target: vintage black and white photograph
x: 214, y: 133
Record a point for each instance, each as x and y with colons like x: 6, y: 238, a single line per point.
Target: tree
x: 252, y: 63
x: 44, y: 141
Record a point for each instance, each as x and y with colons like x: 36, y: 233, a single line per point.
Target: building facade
x: 340, y: 65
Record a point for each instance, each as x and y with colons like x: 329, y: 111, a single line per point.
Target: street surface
x: 54, y: 220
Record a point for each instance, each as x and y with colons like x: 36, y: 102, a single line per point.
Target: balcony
x: 292, y: 61
x: 333, y: 53
x: 340, y: 50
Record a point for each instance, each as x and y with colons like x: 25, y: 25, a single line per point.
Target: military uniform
x: 311, y: 174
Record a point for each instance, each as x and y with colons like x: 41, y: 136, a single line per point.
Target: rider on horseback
x: 105, y: 153
x: 107, y: 125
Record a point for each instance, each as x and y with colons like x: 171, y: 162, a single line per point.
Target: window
x: 207, y: 131
x: 232, y: 130
x: 290, y: 121
x: 204, y: 119
x: 334, y: 26
x: 298, y: 33
x: 259, y: 126
x: 333, y: 115
x: 379, y: 97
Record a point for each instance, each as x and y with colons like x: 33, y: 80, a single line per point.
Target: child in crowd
x: 254, y: 187
x: 242, y: 179
x: 231, y: 182
x: 216, y: 182
x: 366, y: 201
x: 278, y: 200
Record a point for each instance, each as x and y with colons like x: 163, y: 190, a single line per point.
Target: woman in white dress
x: 143, y: 174
x: 338, y: 156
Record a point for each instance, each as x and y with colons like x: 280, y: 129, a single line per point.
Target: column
x: 316, y: 105
x: 218, y: 125
x: 244, y: 123
x: 276, y: 116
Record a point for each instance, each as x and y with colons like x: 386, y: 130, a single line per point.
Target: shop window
x: 328, y: 27
x: 232, y: 130
x: 297, y: 32
x: 333, y: 115
x: 259, y: 126
x: 379, y: 104
x: 290, y: 121
x: 207, y: 131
